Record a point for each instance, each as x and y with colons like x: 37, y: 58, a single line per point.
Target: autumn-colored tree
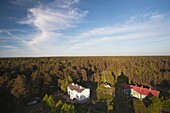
x: 19, y: 87
x: 83, y: 74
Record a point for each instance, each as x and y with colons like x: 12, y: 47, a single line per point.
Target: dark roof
x: 126, y: 86
x: 76, y: 87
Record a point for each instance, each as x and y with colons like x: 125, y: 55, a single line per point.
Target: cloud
x: 157, y: 17
x: 9, y: 47
x: 50, y: 19
x: 132, y: 29
x: 11, y: 36
x: 52, y: 25
x: 125, y: 28
x: 136, y: 23
x: 22, y: 2
x: 106, y: 40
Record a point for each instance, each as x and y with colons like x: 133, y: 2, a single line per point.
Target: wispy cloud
x: 11, y: 36
x: 105, y: 40
x: 9, y: 47
x: 132, y: 29
x: 51, y: 18
x: 58, y: 28
x: 157, y: 17
x: 124, y: 28
x: 21, y: 2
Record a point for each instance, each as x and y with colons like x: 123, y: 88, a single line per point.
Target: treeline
x: 23, y: 78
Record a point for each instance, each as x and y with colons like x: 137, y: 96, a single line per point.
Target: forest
x: 21, y: 79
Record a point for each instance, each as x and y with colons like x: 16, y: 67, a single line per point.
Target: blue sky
x: 32, y: 28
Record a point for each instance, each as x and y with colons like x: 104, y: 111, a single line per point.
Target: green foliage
x: 166, y: 105
x: 159, y: 104
x: 67, y: 108
x: 42, y: 74
x: 104, y: 93
x: 110, y: 107
x: 47, y: 79
x: 45, y: 98
x: 107, y: 77
x: 156, y: 105
x: 104, y: 97
x: 103, y: 79
x: 58, y: 105
x: 97, y: 111
x: 36, y: 82
x: 139, y: 106
x: 110, y: 78
x: 49, y: 101
x: 65, y: 82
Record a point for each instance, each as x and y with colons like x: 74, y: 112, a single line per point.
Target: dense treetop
x: 21, y: 78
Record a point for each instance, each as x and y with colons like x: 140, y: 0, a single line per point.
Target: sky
x: 35, y: 28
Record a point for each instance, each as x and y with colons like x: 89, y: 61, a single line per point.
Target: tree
x: 36, y: 82
x: 156, y: 105
x: 58, y: 105
x: 166, y: 105
x: 49, y: 101
x: 96, y: 77
x: 19, y: 87
x: 83, y: 74
x: 67, y: 108
x: 47, y: 79
x: 45, y: 98
x: 103, y: 78
x: 139, y: 106
x: 65, y: 82
x: 3, y: 81
x: 109, y: 78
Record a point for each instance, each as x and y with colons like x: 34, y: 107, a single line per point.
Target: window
x: 77, y: 96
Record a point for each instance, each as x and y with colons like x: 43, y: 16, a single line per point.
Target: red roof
x: 141, y: 90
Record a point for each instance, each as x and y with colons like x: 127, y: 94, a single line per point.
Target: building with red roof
x: 138, y: 92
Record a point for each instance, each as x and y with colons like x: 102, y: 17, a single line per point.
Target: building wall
x: 143, y: 96
x: 135, y: 94
x: 85, y: 94
x: 72, y: 93
x: 79, y: 96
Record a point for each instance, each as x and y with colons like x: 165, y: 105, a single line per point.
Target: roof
x: 76, y: 87
x: 141, y: 90
x: 127, y: 86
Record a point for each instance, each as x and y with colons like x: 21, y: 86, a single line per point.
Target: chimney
x: 141, y: 87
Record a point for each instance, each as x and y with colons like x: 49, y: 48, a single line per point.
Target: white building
x: 78, y: 92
